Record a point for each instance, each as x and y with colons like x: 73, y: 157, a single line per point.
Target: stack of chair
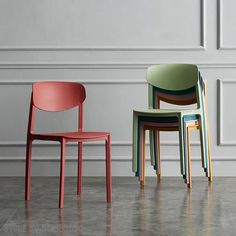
x: 179, y: 84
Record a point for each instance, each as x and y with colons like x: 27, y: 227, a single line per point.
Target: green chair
x: 179, y: 84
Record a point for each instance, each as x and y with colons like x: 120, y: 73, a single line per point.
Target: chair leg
x: 28, y: 169
x: 62, y: 174
x: 185, y: 133
x: 158, y: 146
x: 135, y: 145
x: 152, y: 148
x: 181, y: 147
x: 189, y: 159
x: 79, y: 177
x: 203, y: 146
x: 209, y: 156
x: 140, y: 154
x: 158, y: 156
x: 108, y: 170
x: 142, y: 182
x: 208, y: 143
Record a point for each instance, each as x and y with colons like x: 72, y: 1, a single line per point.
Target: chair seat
x: 167, y: 112
x: 72, y: 135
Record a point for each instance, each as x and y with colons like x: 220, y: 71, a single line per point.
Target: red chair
x: 60, y: 96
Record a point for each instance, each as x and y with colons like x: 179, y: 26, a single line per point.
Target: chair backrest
x: 57, y: 96
x: 173, y: 83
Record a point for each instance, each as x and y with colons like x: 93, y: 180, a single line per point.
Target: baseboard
x: 120, y: 167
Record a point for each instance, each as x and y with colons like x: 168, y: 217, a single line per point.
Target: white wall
x: 107, y: 45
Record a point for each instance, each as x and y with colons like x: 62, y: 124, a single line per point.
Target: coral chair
x: 179, y: 84
x: 60, y: 96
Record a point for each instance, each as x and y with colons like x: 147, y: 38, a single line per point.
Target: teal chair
x: 179, y: 84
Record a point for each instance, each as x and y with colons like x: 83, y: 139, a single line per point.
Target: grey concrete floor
x: 166, y: 208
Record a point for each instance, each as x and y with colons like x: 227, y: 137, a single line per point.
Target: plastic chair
x: 60, y: 96
x: 179, y: 84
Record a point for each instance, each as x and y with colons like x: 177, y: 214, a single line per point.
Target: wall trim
x: 113, y: 143
x: 201, y: 47
x: 108, y: 65
x: 220, y: 140
x: 102, y: 159
x: 73, y: 65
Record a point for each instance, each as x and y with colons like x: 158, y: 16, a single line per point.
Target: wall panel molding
x: 220, y: 30
x: 219, y: 24
x: 201, y: 47
x: 96, y: 48
x: 220, y: 121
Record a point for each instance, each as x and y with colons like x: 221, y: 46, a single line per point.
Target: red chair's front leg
x: 79, y: 178
x: 62, y: 174
x: 28, y: 169
x: 108, y: 170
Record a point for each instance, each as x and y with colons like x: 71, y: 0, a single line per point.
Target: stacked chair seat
x: 178, y: 84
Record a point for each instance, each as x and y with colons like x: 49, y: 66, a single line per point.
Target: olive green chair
x: 179, y: 84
